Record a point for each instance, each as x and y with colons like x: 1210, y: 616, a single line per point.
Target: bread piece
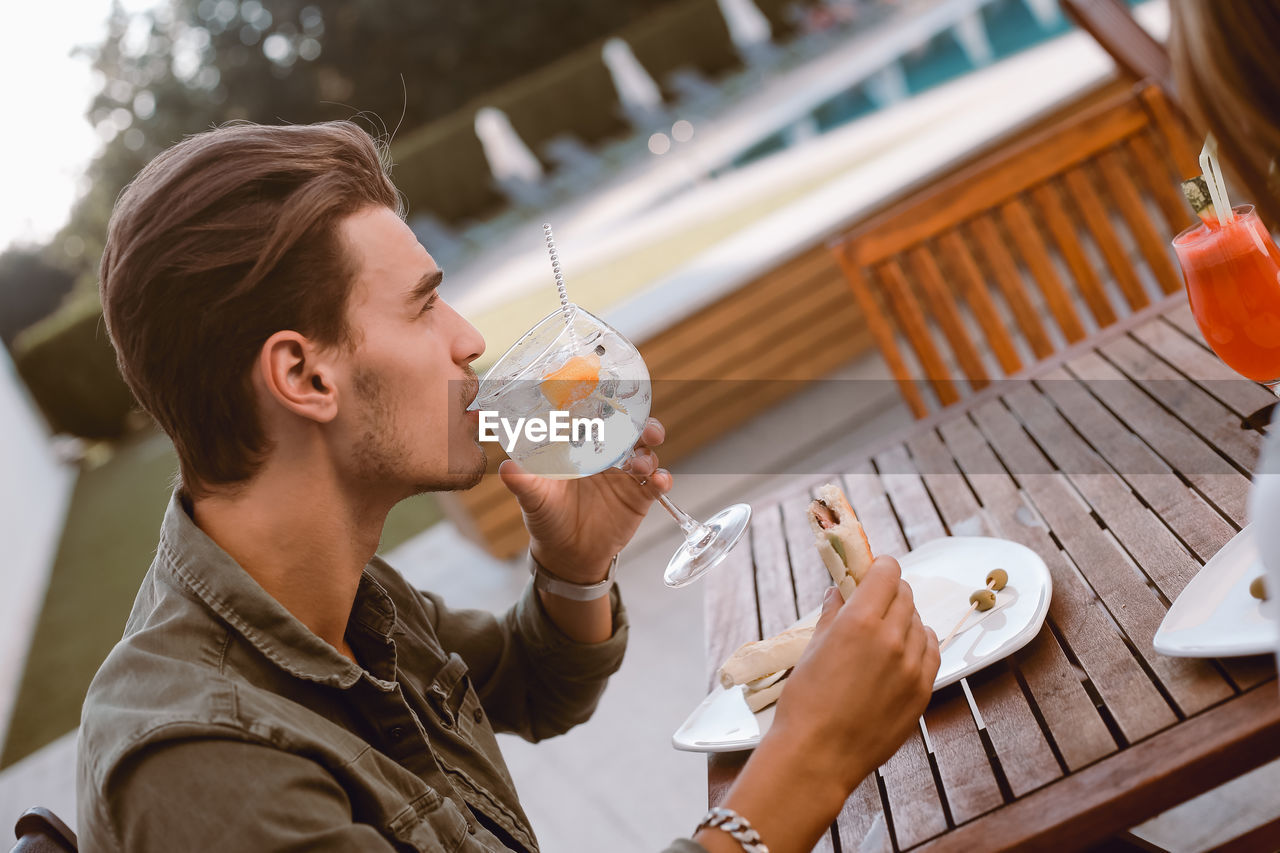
x: 839, y: 537
x: 765, y: 657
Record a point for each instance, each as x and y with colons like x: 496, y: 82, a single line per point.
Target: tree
x: 191, y: 64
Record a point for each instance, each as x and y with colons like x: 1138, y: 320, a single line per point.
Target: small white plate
x: 942, y: 573
x: 1215, y: 616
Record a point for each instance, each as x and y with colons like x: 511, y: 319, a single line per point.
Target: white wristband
x: 544, y: 580
x: 736, y: 826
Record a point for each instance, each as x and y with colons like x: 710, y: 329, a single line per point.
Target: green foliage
x: 31, y: 288
x: 68, y: 364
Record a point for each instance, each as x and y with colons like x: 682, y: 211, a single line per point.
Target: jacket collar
x: 190, y: 560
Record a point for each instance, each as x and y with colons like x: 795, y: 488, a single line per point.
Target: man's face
x: 402, y: 409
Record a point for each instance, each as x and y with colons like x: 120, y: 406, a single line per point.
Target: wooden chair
x: 41, y: 831
x: 1002, y: 249
x: 1134, y: 50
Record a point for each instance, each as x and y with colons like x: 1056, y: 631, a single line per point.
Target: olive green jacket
x: 220, y: 722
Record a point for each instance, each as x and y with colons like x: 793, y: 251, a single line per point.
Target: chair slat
x: 912, y: 320
x: 1036, y: 256
x: 1125, y: 195
x: 963, y: 267
x: 943, y: 303
x: 881, y: 331
x: 1173, y: 130
x: 1049, y: 201
x: 1099, y: 224
x: 1159, y: 181
x: 966, y: 195
x: 1011, y: 285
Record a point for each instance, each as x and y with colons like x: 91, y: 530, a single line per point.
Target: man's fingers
x: 879, y: 587
x: 530, y: 489
x: 642, y: 464
x: 653, y: 434
x: 902, y: 609
x: 916, y: 641
x: 831, y: 602
x: 932, y: 656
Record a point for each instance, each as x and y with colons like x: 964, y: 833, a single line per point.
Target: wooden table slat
x: 1152, y: 545
x: 909, y: 498
x: 1145, y: 779
x: 1180, y: 316
x: 861, y: 825
x: 914, y: 806
x: 775, y: 595
x: 1025, y: 757
x: 1141, y: 530
x: 1132, y: 699
x: 730, y: 602
x: 1201, y: 366
x: 1199, y: 525
x: 1193, y: 684
x: 1079, y: 732
x: 1188, y: 401
x: 1214, y: 477
x: 968, y: 782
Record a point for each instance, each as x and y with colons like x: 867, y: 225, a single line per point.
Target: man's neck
x: 302, y: 539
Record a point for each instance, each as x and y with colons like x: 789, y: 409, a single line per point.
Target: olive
x: 1258, y: 588
x: 997, y: 579
x: 984, y: 598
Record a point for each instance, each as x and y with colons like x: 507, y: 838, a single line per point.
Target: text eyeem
x: 557, y: 426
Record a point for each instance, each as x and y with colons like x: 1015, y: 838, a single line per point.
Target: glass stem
x: 694, y: 530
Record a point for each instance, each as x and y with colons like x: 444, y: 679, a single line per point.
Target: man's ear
x: 299, y: 376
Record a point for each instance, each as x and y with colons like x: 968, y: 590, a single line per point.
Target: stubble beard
x: 383, y: 456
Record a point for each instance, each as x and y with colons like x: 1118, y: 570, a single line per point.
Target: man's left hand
x: 577, y: 526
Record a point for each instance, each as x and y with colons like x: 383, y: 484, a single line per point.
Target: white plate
x: 1215, y: 616
x: 954, y: 566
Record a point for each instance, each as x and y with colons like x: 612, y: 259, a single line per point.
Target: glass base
x: 695, y: 559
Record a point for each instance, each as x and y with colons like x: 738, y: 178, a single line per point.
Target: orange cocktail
x: 1232, y: 272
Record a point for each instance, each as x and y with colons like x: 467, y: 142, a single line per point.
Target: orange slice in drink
x: 572, y: 382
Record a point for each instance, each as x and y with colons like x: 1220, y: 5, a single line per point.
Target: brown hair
x: 1224, y: 62
x: 221, y: 241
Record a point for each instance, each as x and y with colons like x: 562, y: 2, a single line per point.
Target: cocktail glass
x: 1233, y: 282
x: 572, y: 362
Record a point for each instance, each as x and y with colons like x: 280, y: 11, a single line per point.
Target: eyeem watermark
x: 557, y: 426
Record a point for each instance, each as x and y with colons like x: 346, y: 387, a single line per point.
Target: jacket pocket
x: 430, y: 823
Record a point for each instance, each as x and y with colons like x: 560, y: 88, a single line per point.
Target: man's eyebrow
x: 429, y: 282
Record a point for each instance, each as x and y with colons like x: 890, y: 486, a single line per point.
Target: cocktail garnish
x: 573, y: 382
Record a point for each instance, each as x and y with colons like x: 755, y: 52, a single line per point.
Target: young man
x: 280, y: 687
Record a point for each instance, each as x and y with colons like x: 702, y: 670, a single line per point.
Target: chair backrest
x: 1135, y: 50
x: 1004, y: 246
x: 41, y: 831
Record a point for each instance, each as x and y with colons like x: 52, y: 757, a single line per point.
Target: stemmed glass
x: 574, y: 364
x: 1233, y: 284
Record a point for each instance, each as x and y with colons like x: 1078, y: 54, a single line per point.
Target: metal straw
x: 555, y: 268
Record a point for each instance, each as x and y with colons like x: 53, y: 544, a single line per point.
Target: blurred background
x: 679, y: 147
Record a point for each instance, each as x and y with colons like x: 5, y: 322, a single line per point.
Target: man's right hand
x: 853, y: 699
x: 864, y: 680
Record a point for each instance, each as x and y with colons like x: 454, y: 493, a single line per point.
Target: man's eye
x: 430, y: 303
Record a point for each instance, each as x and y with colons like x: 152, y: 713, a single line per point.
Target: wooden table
x: 1124, y: 465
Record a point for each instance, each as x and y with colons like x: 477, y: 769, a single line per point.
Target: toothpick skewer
x: 996, y: 581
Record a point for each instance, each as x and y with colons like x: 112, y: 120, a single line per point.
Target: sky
x: 45, y: 141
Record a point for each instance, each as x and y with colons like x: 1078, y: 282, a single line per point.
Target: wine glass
x: 1232, y: 273
x: 588, y: 388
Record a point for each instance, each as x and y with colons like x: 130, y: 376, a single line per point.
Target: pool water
x: 1010, y: 28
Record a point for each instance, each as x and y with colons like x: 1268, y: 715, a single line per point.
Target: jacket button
x: 478, y: 715
x: 396, y: 733
x: 471, y: 828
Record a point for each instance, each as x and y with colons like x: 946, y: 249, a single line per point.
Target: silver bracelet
x: 737, y: 826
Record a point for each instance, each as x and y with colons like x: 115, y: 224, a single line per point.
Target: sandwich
x: 841, y: 542
x: 763, y: 666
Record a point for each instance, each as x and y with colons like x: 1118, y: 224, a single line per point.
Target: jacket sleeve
x: 532, y: 679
